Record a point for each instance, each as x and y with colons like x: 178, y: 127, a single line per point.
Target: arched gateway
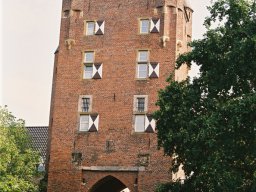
x: 107, y: 184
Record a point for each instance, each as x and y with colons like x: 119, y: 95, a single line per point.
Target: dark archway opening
x: 108, y: 184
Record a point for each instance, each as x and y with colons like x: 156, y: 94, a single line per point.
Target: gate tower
x: 112, y: 59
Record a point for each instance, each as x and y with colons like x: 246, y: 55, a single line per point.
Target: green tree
x: 208, y: 125
x: 17, y: 159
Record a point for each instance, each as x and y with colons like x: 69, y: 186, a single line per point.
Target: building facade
x: 112, y: 59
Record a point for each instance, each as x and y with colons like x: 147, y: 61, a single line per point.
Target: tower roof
x: 39, y: 137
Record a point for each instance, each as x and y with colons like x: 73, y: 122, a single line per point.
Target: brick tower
x: 113, y: 57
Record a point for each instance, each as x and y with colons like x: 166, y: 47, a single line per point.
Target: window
x: 91, y: 69
x: 85, y: 104
x: 95, y: 27
x: 149, y: 26
x: 146, y: 69
x: 89, y: 57
x: 139, y: 123
x: 88, y: 71
x: 142, y: 66
x: 88, y: 121
x: 143, y: 56
x: 88, y: 65
x: 143, y: 122
x: 144, y: 26
x: 140, y: 109
x: 83, y: 108
x: 142, y: 70
x: 140, y: 104
x: 90, y: 25
x: 84, y: 123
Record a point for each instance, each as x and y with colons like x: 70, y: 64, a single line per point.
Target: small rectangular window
x: 140, y: 104
x: 84, y: 123
x: 89, y: 57
x: 143, y: 56
x: 90, y: 27
x: 85, y: 104
x: 142, y: 70
x: 144, y: 26
x: 139, y: 123
x: 88, y: 70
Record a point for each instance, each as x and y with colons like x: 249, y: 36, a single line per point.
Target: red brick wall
x: 117, y: 50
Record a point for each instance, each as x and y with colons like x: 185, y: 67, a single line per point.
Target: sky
x: 1, y: 57
x: 29, y: 35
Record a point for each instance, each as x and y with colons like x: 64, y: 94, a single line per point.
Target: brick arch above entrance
x: 108, y: 183
x: 94, y: 179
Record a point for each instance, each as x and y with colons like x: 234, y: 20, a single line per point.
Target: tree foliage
x: 210, y: 123
x: 17, y: 159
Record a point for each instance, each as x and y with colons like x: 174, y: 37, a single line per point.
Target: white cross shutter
x: 93, y: 122
x: 97, y: 71
x: 99, y: 27
x: 153, y: 70
x: 155, y: 25
x: 150, y: 124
